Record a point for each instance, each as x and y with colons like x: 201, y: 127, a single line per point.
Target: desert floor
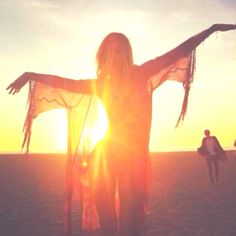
x: 182, y: 201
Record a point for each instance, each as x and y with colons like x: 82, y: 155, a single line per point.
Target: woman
x: 125, y: 91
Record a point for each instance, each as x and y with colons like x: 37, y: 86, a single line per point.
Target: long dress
x: 119, y: 164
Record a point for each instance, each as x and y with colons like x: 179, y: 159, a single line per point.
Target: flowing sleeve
x: 82, y: 114
x: 43, y: 98
x: 164, y: 68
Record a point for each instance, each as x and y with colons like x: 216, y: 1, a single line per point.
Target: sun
x: 95, y: 133
x: 98, y: 131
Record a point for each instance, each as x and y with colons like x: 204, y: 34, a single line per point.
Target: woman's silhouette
x: 120, y: 160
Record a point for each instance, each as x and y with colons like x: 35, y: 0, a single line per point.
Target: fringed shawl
x: 82, y: 112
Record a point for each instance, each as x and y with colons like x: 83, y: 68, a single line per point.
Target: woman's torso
x: 128, y: 108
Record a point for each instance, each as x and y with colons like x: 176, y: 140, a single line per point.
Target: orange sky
x: 57, y: 38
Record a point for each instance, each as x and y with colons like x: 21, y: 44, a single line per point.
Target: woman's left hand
x: 223, y: 27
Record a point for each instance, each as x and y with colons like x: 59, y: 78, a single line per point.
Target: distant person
x: 120, y: 162
x: 210, y: 149
x: 235, y: 149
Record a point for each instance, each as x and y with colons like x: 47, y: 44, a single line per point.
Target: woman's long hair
x: 105, y: 54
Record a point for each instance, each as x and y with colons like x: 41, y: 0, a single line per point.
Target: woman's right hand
x: 16, y: 86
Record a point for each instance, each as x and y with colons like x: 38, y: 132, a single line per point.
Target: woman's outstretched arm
x: 154, y: 66
x: 190, y: 44
x: 79, y: 86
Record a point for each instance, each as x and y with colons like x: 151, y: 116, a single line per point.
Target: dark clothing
x: 213, y: 165
x: 211, y: 157
x: 217, y: 146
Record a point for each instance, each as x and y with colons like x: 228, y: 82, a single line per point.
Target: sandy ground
x: 182, y: 201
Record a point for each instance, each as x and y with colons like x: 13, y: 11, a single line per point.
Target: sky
x: 62, y: 37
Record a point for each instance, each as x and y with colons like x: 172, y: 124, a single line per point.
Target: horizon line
x: 64, y: 153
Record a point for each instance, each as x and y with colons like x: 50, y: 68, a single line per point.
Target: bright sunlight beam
x: 95, y: 133
x: 99, y: 130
